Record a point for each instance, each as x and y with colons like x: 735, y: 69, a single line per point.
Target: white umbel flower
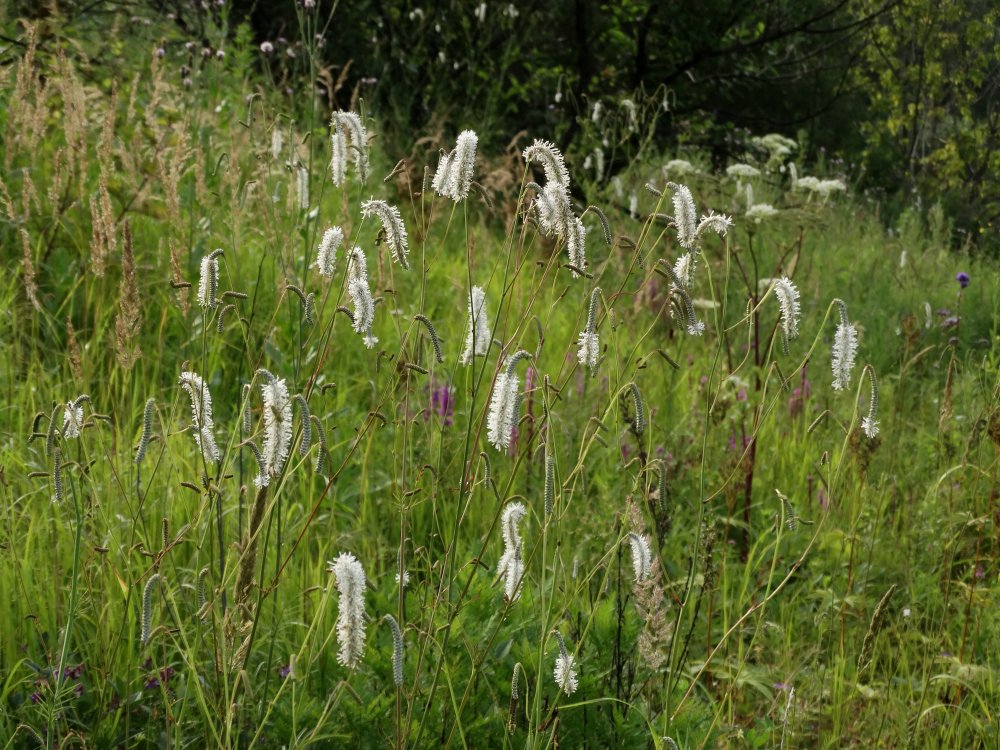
x: 361, y: 295
x: 201, y: 414
x: 326, y: 254
x: 277, y: 426
x: 565, y: 669
x: 742, y: 171
x: 788, y: 301
x: 477, y: 338
x: 351, y: 602
x: 511, y: 565
x: 344, y: 126
x: 395, y: 230
x: 760, y: 211
x: 845, y: 348
x: 454, y: 173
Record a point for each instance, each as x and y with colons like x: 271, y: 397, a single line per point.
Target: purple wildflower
x: 963, y: 279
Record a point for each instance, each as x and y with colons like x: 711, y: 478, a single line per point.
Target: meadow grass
x: 807, y: 585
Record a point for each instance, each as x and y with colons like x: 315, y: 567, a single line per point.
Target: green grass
x: 749, y: 605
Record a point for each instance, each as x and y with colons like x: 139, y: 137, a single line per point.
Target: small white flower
x: 326, y: 255
x: 344, y: 125
x: 361, y: 295
x: 679, y: 167
x: 870, y: 426
x: 351, y: 602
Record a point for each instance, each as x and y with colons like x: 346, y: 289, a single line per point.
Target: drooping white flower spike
x: 208, y: 281
x: 845, y: 348
x: 346, y: 126
x: 73, y: 417
x: 551, y: 159
x: 565, y: 669
x: 361, y: 295
x: 277, y: 426
x: 788, y: 301
x: 511, y: 565
x: 870, y: 423
x: 455, y: 170
x: 351, y: 602
x: 395, y: 230
x: 505, y: 403
x: 477, y: 338
x: 326, y: 254
x: 588, y: 344
x: 201, y: 414
x: 642, y: 556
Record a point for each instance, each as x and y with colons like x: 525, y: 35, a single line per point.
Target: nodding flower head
x: 201, y: 414
x: 361, y: 296
x: 845, y: 347
x: 642, y: 556
x: 208, y: 281
x: 963, y: 279
x: 788, y: 300
x: 477, y: 338
x: 326, y: 255
x: 565, y: 669
x: 344, y: 126
x: 72, y: 419
x: 553, y: 211
x: 511, y: 565
x: 685, y: 216
x: 395, y: 230
x: 505, y: 404
x: 551, y: 159
x: 455, y: 170
x: 277, y: 428
x: 351, y: 602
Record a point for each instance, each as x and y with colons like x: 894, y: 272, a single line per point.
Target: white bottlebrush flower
x: 551, y: 159
x: 712, y: 222
x: 346, y: 126
x: 201, y: 414
x: 504, y: 404
x: 788, y: 301
x: 326, y: 254
x: 208, y: 281
x: 351, y: 603
x: 760, y: 211
x: 302, y: 186
x: 845, y: 347
x: 793, y: 175
x: 565, y: 669
x: 361, y: 295
x: 870, y: 423
x: 553, y: 210
x: 870, y: 426
x: 742, y: 171
x: 685, y: 216
x: 642, y: 556
x: 277, y: 427
x: 588, y: 344
x: 576, y: 244
x: 455, y: 170
x: 511, y: 565
x: 477, y: 338
x: 277, y: 142
x: 395, y: 230
x: 72, y: 419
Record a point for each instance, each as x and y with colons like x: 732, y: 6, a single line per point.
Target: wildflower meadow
x: 316, y: 436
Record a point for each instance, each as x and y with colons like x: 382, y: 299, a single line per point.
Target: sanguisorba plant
x: 489, y: 485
